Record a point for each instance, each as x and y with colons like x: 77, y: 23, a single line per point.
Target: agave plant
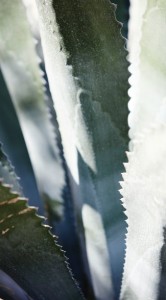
x: 65, y: 80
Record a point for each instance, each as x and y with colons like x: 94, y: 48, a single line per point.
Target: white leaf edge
x: 24, y: 79
x: 65, y: 94
x: 143, y: 192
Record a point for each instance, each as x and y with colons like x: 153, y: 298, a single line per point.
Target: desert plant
x: 77, y: 146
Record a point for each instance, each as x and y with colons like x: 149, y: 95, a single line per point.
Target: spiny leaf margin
x: 29, y: 253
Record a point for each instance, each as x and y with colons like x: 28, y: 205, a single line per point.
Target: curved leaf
x: 29, y: 254
x: 10, y: 290
x: 23, y: 77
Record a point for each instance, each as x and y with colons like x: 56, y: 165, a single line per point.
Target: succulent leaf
x: 144, y: 200
x: 148, y: 89
x: 86, y: 67
x: 29, y: 253
x: 20, y: 67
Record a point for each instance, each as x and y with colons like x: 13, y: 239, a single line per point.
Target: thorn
x: 122, y: 200
x: 129, y: 154
x: 125, y: 165
x: 124, y: 176
x: 121, y: 191
x: 127, y: 222
x: 124, y: 205
x: 122, y: 184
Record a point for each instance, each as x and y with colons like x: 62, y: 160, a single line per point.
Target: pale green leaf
x: 24, y: 80
x: 147, y: 45
x: 144, y: 195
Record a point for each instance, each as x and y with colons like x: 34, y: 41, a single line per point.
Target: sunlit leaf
x: 144, y: 195
x: 147, y: 54
x: 24, y: 80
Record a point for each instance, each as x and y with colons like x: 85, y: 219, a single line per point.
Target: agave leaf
x: 148, y: 89
x: 29, y: 253
x: 91, y: 50
x: 14, y: 147
x: 96, y: 245
x: 86, y: 67
x: 24, y: 80
x: 144, y: 197
x: 103, y: 177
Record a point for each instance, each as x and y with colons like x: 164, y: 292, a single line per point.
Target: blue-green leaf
x: 87, y: 71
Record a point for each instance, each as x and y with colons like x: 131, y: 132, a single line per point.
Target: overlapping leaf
x: 29, y: 253
x: 15, y: 148
x: 86, y: 66
x: 23, y: 77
